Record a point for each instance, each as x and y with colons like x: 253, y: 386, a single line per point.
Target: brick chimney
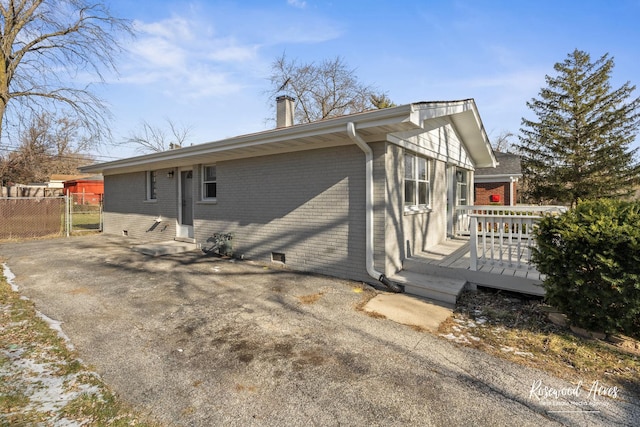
x: 284, y: 111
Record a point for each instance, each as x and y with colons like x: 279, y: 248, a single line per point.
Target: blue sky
x: 204, y: 64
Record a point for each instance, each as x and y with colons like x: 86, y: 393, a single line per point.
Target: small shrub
x: 591, y: 258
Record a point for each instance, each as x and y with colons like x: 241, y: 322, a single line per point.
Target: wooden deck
x: 452, y: 259
x: 455, y: 253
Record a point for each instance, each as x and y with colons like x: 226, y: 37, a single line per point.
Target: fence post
x: 67, y: 215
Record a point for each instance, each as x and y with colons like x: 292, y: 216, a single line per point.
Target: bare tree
x: 49, y: 50
x: 327, y: 89
x: 49, y: 145
x: 152, y: 139
x: 502, y: 142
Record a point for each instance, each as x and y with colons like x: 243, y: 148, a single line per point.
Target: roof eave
x: 496, y: 178
x: 475, y: 137
x: 397, y: 118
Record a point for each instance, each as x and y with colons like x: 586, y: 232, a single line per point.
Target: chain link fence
x: 85, y: 212
x: 30, y: 217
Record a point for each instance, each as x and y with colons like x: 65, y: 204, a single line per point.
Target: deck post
x: 473, y: 242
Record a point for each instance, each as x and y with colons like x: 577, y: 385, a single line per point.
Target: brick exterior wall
x: 308, y: 205
x: 126, y: 210
x: 484, y: 190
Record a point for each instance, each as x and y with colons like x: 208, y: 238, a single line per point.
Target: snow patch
x: 53, y: 324
x: 56, y: 325
x: 47, y: 392
x: 8, y: 274
x: 458, y: 339
x: 517, y: 352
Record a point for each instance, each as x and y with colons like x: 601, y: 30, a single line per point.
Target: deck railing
x: 501, y: 235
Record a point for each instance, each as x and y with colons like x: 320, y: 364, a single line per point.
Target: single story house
x: 351, y: 197
x: 499, y: 185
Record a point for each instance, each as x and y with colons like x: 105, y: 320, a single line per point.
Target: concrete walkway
x: 200, y: 341
x: 165, y: 248
x: 409, y: 310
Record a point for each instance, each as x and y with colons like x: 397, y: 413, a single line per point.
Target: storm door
x: 185, y: 206
x: 461, y: 194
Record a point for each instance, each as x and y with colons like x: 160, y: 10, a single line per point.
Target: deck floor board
x: 455, y: 253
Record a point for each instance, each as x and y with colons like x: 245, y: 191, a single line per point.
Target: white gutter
x: 368, y: 152
x: 401, y: 117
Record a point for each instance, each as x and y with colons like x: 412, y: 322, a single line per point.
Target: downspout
x: 368, y: 152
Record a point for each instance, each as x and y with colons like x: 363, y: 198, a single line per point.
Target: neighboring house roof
x: 375, y: 125
x: 86, y: 178
x: 58, y: 180
x: 509, y: 166
x: 66, y: 177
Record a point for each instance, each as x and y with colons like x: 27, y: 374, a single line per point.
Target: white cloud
x: 158, y: 53
x: 230, y: 50
x: 176, y: 28
x: 297, y: 3
x: 184, y: 56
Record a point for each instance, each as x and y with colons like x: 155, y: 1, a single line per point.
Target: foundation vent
x: 277, y: 257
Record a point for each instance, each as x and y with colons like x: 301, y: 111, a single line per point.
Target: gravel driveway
x: 199, y: 341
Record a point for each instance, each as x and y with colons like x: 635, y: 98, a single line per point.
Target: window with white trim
x: 209, y: 182
x: 151, y: 185
x: 462, y: 192
x: 417, y: 191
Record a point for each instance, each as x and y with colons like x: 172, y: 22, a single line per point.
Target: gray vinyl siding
x: 307, y: 205
x: 422, y: 230
x: 413, y: 232
x: 126, y: 207
x: 395, y: 243
x: 441, y: 143
x: 379, y: 204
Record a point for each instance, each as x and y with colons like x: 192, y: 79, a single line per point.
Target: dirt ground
x: 197, y: 340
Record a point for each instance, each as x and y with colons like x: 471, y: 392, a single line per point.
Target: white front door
x: 457, y: 195
x: 184, y: 227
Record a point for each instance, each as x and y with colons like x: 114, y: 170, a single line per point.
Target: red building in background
x: 498, y: 186
x: 85, y: 190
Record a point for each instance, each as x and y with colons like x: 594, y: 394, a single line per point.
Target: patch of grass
x: 11, y: 400
x: 34, y: 358
x: 518, y: 329
x: 310, y: 299
x: 101, y: 409
x: 86, y: 220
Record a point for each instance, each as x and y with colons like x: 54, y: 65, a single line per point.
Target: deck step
x: 442, y: 289
x: 427, y: 268
x: 523, y: 281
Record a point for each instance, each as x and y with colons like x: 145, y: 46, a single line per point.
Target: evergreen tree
x: 381, y: 101
x: 579, y: 147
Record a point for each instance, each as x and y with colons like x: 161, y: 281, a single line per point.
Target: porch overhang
x: 465, y: 118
